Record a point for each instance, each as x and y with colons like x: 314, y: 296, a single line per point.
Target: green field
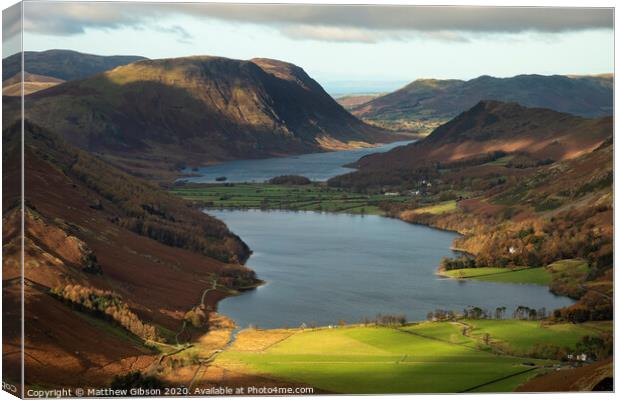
x: 421, y: 358
x: 446, y: 331
x: 570, y: 273
x: 518, y: 336
x: 313, y: 197
x: 521, y: 336
x: 538, y: 276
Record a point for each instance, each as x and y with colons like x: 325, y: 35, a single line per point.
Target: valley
x: 480, y: 187
x: 318, y: 166
x: 150, y: 117
x: 314, y: 197
x: 204, y: 221
x: 404, y: 359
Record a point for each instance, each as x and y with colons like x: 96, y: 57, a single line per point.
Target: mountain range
x: 114, y: 263
x: 427, y: 103
x: 197, y: 110
x: 493, y: 126
x: 62, y: 64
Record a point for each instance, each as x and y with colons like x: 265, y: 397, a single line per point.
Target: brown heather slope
x: 99, y: 230
x: 197, y: 110
x: 550, y: 213
x: 530, y: 187
x: 495, y: 126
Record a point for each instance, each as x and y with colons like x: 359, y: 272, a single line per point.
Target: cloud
x: 474, y: 19
x: 360, y: 35
x: 336, y: 33
x: 182, y: 35
x: 366, y: 24
x: 11, y: 29
x: 11, y: 21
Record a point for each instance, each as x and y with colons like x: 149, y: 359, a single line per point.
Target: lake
x: 316, y: 166
x: 321, y: 268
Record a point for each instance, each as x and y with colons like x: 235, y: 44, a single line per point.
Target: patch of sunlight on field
x: 325, y: 341
x: 574, y: 265
x: 379, y: 360
x: 440, y: 208
x: 537, y: 276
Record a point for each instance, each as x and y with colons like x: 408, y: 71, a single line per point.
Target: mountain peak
x: 493, y: 125
x: 62, y: 64
x: 436, y: 101
x: 201, y: 108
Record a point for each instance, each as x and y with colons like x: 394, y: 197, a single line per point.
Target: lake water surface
x: 316, y: 166
x: 322, y: 268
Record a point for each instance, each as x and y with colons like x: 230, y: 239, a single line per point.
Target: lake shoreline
x: 274, y: 268
x: 261, y: 282
x: 326, y: 164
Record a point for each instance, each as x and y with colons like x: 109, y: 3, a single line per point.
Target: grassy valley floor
x: 525, y: 275
x: 312, y: 197
x: 464, y: 355
x: 438, y: 357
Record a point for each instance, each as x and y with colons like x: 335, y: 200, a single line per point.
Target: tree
x: 486, y: 338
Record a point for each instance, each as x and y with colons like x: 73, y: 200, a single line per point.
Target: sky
x: 345, y: 48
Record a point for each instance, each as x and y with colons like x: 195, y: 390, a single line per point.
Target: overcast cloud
x: 314, y: 22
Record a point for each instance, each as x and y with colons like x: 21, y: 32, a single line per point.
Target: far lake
x: 316, y: 166
x: 322, y: 268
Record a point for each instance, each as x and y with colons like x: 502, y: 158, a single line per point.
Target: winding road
x: 201, y: 304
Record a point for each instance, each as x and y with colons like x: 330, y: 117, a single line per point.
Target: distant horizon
x: 342, y: 87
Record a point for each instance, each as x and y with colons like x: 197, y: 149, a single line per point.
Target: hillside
x: 542, y: 134
x: 62, y: 64
x: 111, y: 261
x: 524, y: 187
x: 32, y: 83
x: 196, y: 110
x: 429, y: 101
x: 350, y: 101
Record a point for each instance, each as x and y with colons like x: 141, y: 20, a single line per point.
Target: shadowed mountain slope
x: 495, y: 126
x: 97, y: 237
x: 200, y: 109
x: 62, y: 64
